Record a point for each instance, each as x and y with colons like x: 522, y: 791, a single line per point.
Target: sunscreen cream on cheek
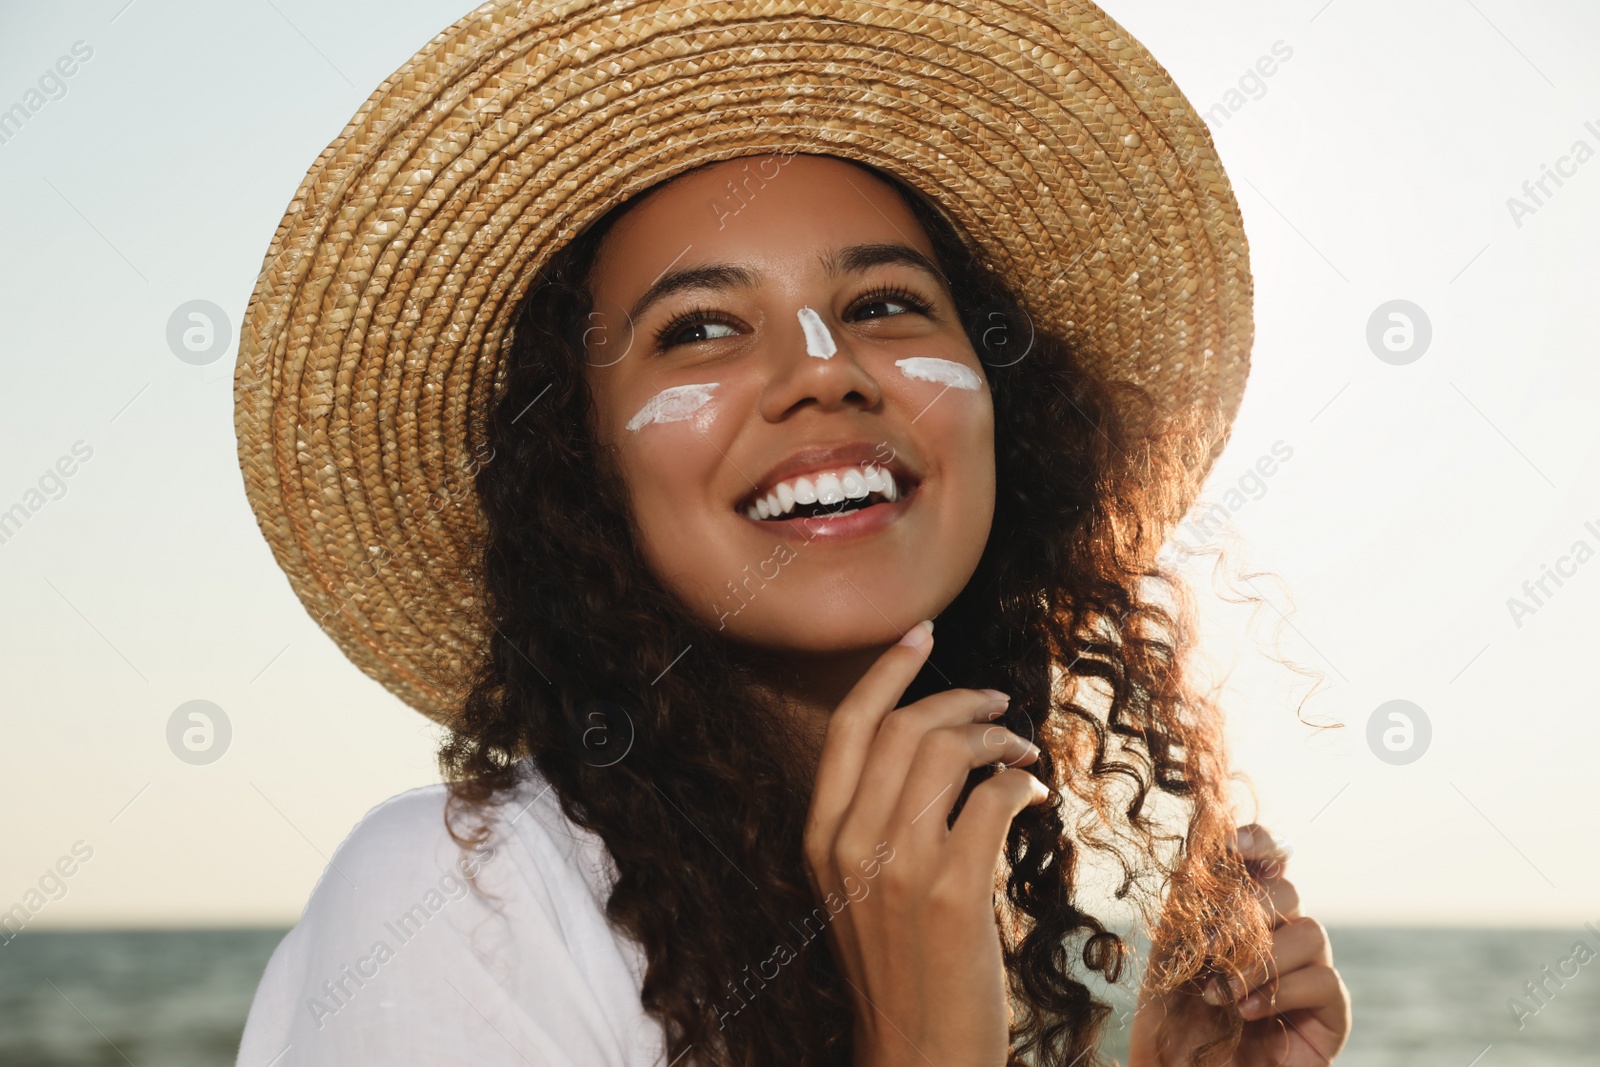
x: 672, y: 405
x: 945, y: 372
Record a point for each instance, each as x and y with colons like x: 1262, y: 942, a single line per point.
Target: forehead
x: 755, y: 210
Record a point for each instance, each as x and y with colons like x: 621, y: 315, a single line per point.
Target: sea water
x: 178, y: 998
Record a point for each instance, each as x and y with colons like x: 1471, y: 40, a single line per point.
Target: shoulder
x: 410, y: 940
x: 397, y: 842
x: 403, y: 848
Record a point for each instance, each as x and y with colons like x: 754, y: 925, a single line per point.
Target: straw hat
x: 375, y: 340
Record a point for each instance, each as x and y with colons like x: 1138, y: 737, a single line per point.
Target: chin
x: 800, y: 636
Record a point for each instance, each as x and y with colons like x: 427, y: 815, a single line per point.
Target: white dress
x: 396, y: 961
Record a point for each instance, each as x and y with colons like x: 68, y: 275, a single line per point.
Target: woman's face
x: 805, y: 431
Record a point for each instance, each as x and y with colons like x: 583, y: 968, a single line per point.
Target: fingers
x: 1267, y: 858
x: 1280, y: 899
x: 979, y: 835
x: 1316, y: 988
x: 1300, y: 942
x: 1265, y: 854
x: 940, y: 767
x: 899, y: 744
x: 854, y: 724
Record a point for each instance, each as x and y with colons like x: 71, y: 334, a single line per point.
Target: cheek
x: 693, y: 404
x: 665, y: 476
x: 958, y: 428
x: 977, y: 434
x: 943, y: 373
x: 669, y: 447
x: 973, y: 498
x: 950, y: 409
x: 667, y: 440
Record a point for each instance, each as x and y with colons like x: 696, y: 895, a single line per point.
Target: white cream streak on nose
x: 819, y: 342
x: 943, y: 371
x: 672, y: 405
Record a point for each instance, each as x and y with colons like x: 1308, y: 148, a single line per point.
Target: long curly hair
x: 689, y: 775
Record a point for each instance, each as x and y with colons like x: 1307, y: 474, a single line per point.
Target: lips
x: 828, y: 482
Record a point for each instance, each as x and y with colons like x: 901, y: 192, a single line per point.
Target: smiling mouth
x: 827, y: 494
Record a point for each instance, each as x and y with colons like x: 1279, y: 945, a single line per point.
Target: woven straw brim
x: 374, y: 342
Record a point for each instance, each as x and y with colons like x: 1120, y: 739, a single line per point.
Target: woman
x: 717, y: 794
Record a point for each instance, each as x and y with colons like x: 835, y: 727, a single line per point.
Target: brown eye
x: 673, y: 333
x: 892, y: 296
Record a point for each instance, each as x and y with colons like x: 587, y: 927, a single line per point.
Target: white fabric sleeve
x: 397, y: 961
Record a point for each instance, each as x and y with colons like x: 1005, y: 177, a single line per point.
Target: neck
x: 810, y: 687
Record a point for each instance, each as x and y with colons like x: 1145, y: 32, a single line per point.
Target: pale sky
x: 1407, y: 501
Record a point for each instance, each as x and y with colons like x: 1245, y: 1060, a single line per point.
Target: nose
x: 803, y: 376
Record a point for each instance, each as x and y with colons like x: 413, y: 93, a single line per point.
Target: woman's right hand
x: 914, y: 933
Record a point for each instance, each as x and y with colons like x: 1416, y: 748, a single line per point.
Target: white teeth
x: 833, y: 487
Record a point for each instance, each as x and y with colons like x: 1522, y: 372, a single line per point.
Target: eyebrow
x: 724, y: 276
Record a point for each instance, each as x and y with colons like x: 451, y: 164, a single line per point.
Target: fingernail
x: 919, y: 635
x: 1218, y: 994
x: 1254, y: 1004
x: 993, y: 695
